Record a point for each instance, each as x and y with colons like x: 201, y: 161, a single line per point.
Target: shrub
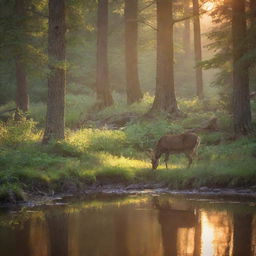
x: 11, y: 193
x: 14, y: 133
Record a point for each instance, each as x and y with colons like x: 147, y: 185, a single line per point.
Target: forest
x: 87, y: 89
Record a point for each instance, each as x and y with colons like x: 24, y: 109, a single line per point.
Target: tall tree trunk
x: 22, y: 99
x: 165, y: 99
x: 198, y: 50
x: 252, y: 13
x: 104, y: 96
x: 252, y: 43
x: 186, y: 33
x: 57, y: 78
x: 131, y: 55
x: 241, y: 99
x: 252, y: 31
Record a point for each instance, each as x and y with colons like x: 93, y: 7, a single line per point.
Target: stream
x: 130, y: 225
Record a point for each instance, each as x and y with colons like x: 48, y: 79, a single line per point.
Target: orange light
x: 208, y: 6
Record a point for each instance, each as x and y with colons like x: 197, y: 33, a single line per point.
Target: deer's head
x: 154, y: 159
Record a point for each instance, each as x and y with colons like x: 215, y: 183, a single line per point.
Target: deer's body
x: 186, y: 143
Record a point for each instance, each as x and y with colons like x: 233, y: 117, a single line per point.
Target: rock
x: 217, y: 190
x: 253, y: 188
x: 204, y: 189
x: 159, y: 185
x: 244, y: 191
x: 134, y: 186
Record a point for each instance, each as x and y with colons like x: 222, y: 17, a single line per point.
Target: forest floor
x: 108, y: 149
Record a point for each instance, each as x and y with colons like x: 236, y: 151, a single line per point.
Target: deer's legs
x: 166, y: 159
x: 190, y: 159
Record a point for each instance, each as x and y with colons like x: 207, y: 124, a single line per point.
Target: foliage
x: 14, y: 132
x: 99, y: 156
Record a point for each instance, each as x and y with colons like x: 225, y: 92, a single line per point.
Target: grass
x: 90, y: 155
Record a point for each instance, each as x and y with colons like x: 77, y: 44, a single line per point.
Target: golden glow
x: 186, y: 241
x: 208, y: 6
x: 207, y: 236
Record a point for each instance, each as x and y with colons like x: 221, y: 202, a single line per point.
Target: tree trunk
x: 165, y: 99
x: 241, y: 98
x: 198, y: 50
x: 57, y: 78
x: 22, y: 99
x: 252, y: 31
x: 104, y: 97
x: 252, y: 13
x: 186, y: 34
x: 131, y: 55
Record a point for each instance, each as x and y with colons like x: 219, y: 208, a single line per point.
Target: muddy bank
x: 33, y: 199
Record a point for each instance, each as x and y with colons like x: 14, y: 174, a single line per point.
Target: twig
x: 147, y: 6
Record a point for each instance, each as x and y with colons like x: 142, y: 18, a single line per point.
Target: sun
x: 208, y: 6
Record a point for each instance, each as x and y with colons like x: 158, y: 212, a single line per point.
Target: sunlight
x: 186, y: 241
x: 208, y: 6
x: 207, y: 236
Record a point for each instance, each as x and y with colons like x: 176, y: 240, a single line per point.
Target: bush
x: 98, y: 140
x: 14, y: 133
x: 11, y: 193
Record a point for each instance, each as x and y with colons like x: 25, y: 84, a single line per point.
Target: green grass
x: 91, y: 155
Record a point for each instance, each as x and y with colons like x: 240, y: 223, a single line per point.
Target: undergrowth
x: 99, y: 156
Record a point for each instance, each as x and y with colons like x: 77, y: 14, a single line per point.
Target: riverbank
x: 99, y: 154
x: 156, y: 189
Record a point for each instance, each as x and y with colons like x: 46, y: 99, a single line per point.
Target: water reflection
x: 155, y: 226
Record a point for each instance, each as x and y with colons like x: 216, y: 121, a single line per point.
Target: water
x: 131, y: 226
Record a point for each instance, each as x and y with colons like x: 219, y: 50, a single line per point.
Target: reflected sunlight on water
x: 130, y: 226
x: 207, y: 236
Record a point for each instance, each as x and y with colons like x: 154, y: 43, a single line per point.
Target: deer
x: 185, y: 143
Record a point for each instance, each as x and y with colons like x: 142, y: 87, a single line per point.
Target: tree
x: 22, y: 100
x: 165, y: 99
x: 104, y: 96
x: 198, y: 50
x: 241, y: 99
x: 252, y: 13
x: 57, y: 77
x: 252, y: 33
x: 131, y: 55
x: 186, y: 33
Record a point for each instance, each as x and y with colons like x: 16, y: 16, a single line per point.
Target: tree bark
x: 104, y: 97
x: 57, y: 78
x: 186, y: 34
x: 198, y: 50
x: 252, y: 31
x: 22, y: 99
x: 241, y: 95
x: 165, y: 99
x: 252, y: 13
x: 131, y: 54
